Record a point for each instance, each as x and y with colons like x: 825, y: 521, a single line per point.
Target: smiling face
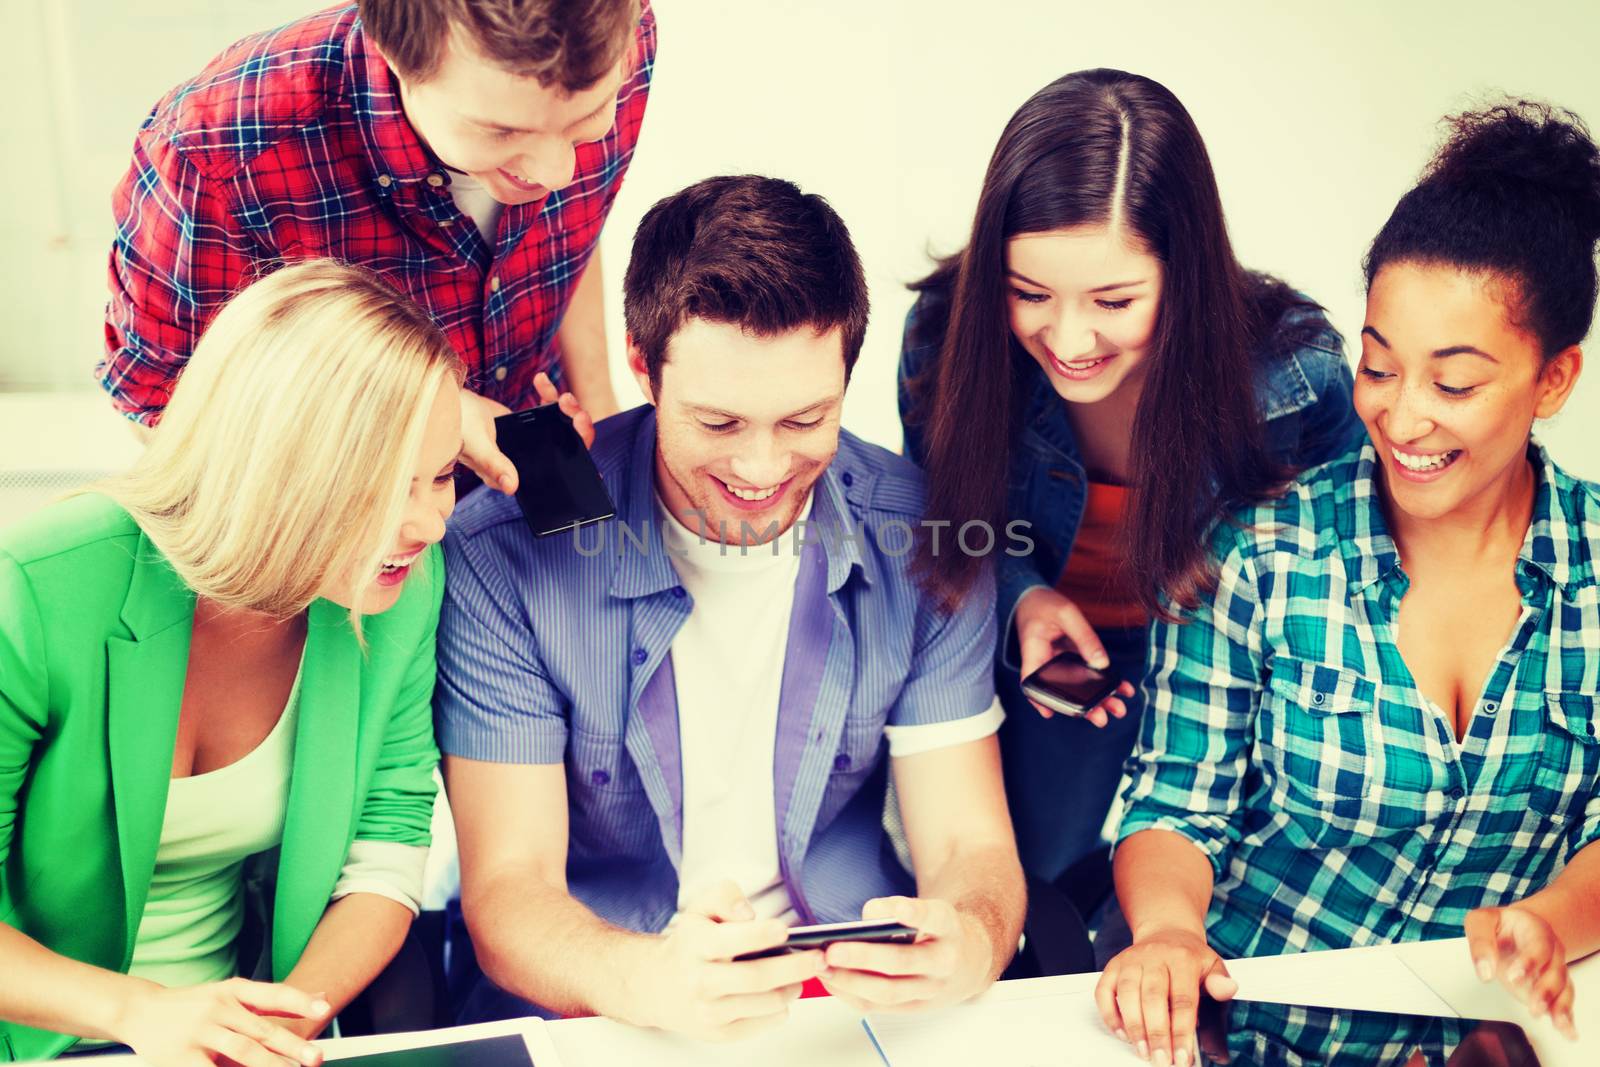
x: 1082, y: 302
x: 745, y: 425
x: 431, y: 499
x: 509, y: 132
x: 1449, y: 386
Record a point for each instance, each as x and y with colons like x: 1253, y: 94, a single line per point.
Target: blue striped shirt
x: 555, y: 650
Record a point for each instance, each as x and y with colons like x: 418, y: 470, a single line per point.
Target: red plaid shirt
x: 292, y: 144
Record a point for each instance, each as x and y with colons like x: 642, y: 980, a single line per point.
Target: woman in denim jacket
x: 1097, y: 364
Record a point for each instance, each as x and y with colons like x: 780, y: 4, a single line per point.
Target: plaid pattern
x: 1286, y: 738
x: 293, y: 144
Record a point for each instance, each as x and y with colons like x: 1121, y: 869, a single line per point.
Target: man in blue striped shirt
x: 665, y: 737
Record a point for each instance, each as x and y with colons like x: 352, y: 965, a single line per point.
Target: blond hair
x: 283, y: 460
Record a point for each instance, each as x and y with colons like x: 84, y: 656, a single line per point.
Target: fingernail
x: 1514, y: 975
x: 1182, y: 1057
x: 1144, y: 1049
x: 321, y: 1007
x: 1122, y: 1035
x: 1100, y: 663
x: 1485, y: 971
x: 1161, y: 1057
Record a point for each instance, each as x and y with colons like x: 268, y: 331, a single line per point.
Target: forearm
x: 357, y: 937
x: 585, y: 364
x: 1163, y: 883
x: 42, y: 989
x: 537, y: 941
x: 1571, y: 903
x: 985, y: 885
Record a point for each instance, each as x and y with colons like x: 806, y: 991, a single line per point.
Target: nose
x: 1071, y: 335
x: 1409, y: 418
x: 551, y: 163
x: 762, y: 463
x: 425, y: 519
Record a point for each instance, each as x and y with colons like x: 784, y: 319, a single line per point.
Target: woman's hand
x: 1048, y: 624
x: 1520, y: 948
x: 1149, y: 995
x: 195, y: 1026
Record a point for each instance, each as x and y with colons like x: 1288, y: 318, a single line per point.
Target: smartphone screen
x: 558, y: 485
x: 1067, y: 684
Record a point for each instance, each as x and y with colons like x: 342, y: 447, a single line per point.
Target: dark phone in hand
x: 868, y: 930
x: 558, y: 485
x: 1068, y: 685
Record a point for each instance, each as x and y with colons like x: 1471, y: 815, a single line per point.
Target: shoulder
x: 1301, y: 524
x: 1576, y: 503
x: 78, y: 527
x: 1299, y: 359
x: 883, y: 484
x: 925, y: 326
x: 257, y: 92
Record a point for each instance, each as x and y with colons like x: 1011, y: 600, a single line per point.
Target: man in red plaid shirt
x: 468, y: 151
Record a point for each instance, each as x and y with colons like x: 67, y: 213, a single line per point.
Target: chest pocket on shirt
x: 1315, y: 733
x: 1567, y: 775
x: 601, y: 762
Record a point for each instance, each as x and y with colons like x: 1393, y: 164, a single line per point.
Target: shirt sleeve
x: 911, y: 740
x: 23, y: 709
x: 398, y: 808
x: 385, y: 869
x: 1188, y: 771
x: 952, y: 665
x: 494, y: 700
x: 177, y: 256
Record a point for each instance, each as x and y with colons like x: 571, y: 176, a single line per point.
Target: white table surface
x: 823, y: 1031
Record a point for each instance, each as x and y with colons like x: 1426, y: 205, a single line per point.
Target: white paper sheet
x: 1045, y: 1029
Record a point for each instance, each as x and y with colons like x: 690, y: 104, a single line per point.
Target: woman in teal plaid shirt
x: 1382, y: 727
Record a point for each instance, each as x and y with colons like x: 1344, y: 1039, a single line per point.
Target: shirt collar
x: 393, y: 148
x: 1553, y: 547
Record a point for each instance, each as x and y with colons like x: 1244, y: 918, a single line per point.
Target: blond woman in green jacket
x: 222, y: 662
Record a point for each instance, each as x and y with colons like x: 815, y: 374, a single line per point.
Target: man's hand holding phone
x: 1049, y: 624
x: 949, y: 962
x: 479, y: 450
x: 691, y: 984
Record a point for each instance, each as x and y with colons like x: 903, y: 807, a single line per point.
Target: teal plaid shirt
x: 1285, y: 737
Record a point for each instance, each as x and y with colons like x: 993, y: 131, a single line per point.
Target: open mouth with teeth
x: 522, y: 183
x: 1424, y: 464
x: 747, y: 498
x: 394, y: 570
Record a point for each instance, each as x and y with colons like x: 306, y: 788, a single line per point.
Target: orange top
x: 1098, y: 578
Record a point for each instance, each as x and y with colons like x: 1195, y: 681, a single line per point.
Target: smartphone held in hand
x: 559, y: 486
x: 1068, y: 686
x: 872, y: 931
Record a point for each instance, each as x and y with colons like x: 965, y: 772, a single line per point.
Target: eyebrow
x: 700, y: 409
x: 1021, y: 277
x: 1438, y: 353
x: 500, y: 127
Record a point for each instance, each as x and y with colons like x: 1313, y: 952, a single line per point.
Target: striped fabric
x: 293, y: 144
x: 1286, y: 738
x: 556, y: 651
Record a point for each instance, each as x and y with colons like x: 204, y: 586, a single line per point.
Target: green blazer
x: 94, y: 648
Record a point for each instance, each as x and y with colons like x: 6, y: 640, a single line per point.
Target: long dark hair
x: 1198, y: 448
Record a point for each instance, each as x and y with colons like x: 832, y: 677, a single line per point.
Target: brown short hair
x: 755, y: 252
x: 570, y: 43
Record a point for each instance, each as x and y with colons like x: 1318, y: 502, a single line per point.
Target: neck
x: 1484, y: 526
x: 254, y: 628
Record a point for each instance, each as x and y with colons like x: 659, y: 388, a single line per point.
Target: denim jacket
x: 1302, y: 389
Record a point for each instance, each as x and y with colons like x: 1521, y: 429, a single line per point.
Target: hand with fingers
x: 950, y: 960
x: 692, y: 985
x: 478, y: 448
x: 1149, y: 995
x: 1518, y: 947
x: 227, y: 1022
x: 1049, y: 624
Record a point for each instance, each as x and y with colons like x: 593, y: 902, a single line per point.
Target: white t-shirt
x: 473, y: 198
x: 727, y: 664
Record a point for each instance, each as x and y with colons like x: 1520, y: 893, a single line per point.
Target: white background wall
x: 1317, y: 116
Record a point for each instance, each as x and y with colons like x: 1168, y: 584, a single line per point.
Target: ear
x: 1556, y: 379
x: 640, y: 369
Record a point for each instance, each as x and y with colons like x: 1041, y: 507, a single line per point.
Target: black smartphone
x: 872, y: 931
x: 507, y: 1050
x: 558, y: 485
x: 1069, y: 685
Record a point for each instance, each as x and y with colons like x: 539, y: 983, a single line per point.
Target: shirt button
x: 1319, y: 699
x: 678, y: 591
x: 639, y: 656
x: 494, y: 283
x: 600, y: 777
x: 1455, y: 793
x: 848, y: 479
x: 1490, y: 707
x: 841, y: 762
x: 499, y: 374
x: 385, y: 181
x: 436, y: 180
